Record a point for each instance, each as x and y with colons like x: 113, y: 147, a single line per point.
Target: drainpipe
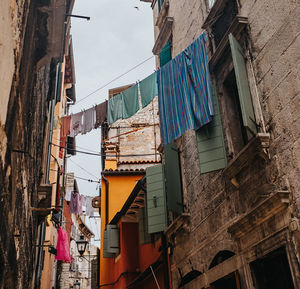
x: 106, y: 198
x: 165, y: 255
x: 52, y: 103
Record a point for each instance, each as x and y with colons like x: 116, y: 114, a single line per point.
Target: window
x: 272, y: 271
x: 238, y: 114
x: 211, y: 3
x: 145, y: 238
x: 165, y: 54
x: 111, y: 241
x: 223, y: 20
x: 160, y: 4
x: 210, y: 141
x: 164, y: 191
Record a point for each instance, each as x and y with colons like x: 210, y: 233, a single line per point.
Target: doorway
x: 272, y: 271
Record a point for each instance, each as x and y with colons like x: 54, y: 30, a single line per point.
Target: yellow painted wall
x: 51, y: 231
x: 120, y: 187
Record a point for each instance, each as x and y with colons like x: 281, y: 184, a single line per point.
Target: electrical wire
x: 76, y: 177
x: 86, y: 149
x: 99, y: 154
x: 83, y: 169
x: 116, y: 78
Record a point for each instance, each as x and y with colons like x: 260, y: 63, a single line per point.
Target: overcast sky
x: 117, y: 38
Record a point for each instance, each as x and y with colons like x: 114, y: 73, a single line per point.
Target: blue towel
x: 184, y: 92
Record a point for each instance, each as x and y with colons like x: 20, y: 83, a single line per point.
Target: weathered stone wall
x: 26, y: 87
x: 13, y: 14
x: 213, y: 202
x: 138, y: 135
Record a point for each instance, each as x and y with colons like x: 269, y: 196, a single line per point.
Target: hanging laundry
x: 79, y: 205
x: 63, y: 247
x: 184, y: 90
x: 130, y: 101
x: 89, y: 208
x: 83, y: 200
x: 101, y: 113
x: 73, y: 203
x: 148, y: 89
x: 89, y: 118
x: 76, y: 124
x: 65, y: 126
x: 64, y: 131
x: 69, y: 186
x: 114, y: 109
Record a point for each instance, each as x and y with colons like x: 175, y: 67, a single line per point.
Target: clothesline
x: 76, y: 177
x: 184, y: 96
x: 121, y: 106
x: 100, y: 155
x: 116, y: 78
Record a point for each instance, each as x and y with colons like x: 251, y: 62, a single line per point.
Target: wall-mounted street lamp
x: 78, y: 16
x: 81, y: 245
x: 77, y: 285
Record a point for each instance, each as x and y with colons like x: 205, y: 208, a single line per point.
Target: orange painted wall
x: 120, y: 187
x: 148, y: 254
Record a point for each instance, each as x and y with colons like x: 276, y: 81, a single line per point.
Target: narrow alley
x: 149, y: 144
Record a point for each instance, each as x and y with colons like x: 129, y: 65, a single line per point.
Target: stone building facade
x: 31, y: 45
x: 242, y: 224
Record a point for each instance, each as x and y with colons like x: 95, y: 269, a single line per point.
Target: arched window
x: 221, y: 257
x: 189, y: 277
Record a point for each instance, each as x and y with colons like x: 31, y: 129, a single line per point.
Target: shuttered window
x: 165, y: 54
x: 145, y: 238
x: 210, y: 141
x: 106, y: 254
x: 113, y: 238
x: 160, y: 4
x: 173, y: 179
x: 242, y: 85
x: 156, y: 199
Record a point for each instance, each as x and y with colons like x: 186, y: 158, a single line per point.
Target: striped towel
x: 184, y: 92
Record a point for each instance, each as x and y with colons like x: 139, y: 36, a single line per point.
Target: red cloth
x: 64, y: 131
x: 63, y: 247
x: 65, y: 126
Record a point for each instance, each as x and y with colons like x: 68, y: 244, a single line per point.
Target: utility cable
x: 116, y: 78
x: 100, y: 155
x: 83, y: 169
x: 76, y: 177
x: 85, y: 149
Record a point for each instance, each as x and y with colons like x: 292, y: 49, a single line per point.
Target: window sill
x: 162, y: 14
x: 181, y: 222
x: 164, y: 35
x: 256, y: 147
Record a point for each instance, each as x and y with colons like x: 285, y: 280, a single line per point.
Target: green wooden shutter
x: 113, y: 237
x: 106, y: 254
x: 173, y: 178
x: 156, y: 199
x: 145, y: 238
x: 165, y: 54
x: 210, y: 141
x: 160, y: 4
x: 242, y: 84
